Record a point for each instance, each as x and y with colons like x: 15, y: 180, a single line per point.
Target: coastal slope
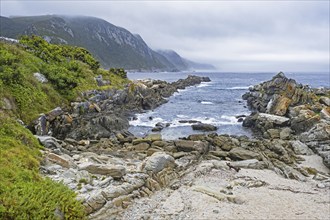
x: 112, y: 46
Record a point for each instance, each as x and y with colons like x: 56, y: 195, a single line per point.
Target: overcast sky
x: 232, y: 35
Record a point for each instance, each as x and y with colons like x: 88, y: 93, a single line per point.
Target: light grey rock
x: 320, y: 132
x: 49, y: 142
x: 40, y: 77
x: 278, y: 120
x: 286, y: 133
x: 60, y: 160
x: 325, y: 114
x: 325, y: 100
x: 300, y: 148
x: 116, y: 171
x: 96, y: 201
x: 250, y: 164
x: 158, y: 161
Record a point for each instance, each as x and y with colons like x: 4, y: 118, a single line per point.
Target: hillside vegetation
x: 24, y: 193
x: 69, y: 71
x: 113, y: 46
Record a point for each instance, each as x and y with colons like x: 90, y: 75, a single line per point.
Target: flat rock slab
x: 279, y: 120
x: 104, y: 169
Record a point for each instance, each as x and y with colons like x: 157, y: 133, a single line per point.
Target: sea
x: 218, y: 102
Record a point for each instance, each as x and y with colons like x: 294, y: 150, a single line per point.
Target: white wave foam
x: 144, y: 121
x: 206, y: 103
x: 229, y: 120
x: 182, y: 116
x: 239, y: 88
x: 203, y: 84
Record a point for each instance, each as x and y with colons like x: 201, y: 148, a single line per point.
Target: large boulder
x: 158, y: 161
x: 262, y: 122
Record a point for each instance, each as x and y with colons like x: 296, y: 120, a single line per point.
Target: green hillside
x: 24, y: 194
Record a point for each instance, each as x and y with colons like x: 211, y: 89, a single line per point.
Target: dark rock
x: 204, y: 127
x: 189, y: 121
x: 304, y: 121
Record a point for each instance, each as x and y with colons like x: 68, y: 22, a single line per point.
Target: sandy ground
x: 209, y: 193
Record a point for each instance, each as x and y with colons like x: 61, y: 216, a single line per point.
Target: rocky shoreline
x: 117, y: 175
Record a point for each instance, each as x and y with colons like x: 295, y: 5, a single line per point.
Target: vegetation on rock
x: 68, y: 71
x: 24, y: 194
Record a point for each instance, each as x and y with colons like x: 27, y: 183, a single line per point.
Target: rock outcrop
x: 103, y: 114
x: 286, y: 110
x: 111, y: 172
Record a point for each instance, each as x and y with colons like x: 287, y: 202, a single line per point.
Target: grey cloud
x: 234, y: 35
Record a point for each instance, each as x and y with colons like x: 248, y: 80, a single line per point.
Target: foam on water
x: 206, y: 103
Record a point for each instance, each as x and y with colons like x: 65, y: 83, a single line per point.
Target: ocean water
x: 217, y: 102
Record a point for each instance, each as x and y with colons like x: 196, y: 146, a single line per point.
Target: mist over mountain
x: 113, y: 46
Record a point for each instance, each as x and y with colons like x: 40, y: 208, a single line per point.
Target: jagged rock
x: 240, y: 153
x: 204, y: 127
x: 96, y: 201
x: 325, y: 100
x: 276, y: 95
x: 300, y: 148
x: 288, y: 171
x: 325, y: 113
x: 304, y: 121
x: 261, y: 122
x: 51, y: 115
x: 187, y: 146
x: 274, y: 133
x: 320, y: 132
x: 225, y: 143
x: 60, y: 160
x: 278, y: 105
x: 286, y: 133
x: 158, y: 161
x: 49, y: 142
x: 103, y: 169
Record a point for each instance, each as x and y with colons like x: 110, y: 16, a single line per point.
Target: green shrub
x: 24, y: 194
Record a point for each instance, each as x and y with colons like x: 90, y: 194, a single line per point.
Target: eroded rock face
x: 277, y: 95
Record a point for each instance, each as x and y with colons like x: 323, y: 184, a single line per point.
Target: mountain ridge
x: 112, y: 45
